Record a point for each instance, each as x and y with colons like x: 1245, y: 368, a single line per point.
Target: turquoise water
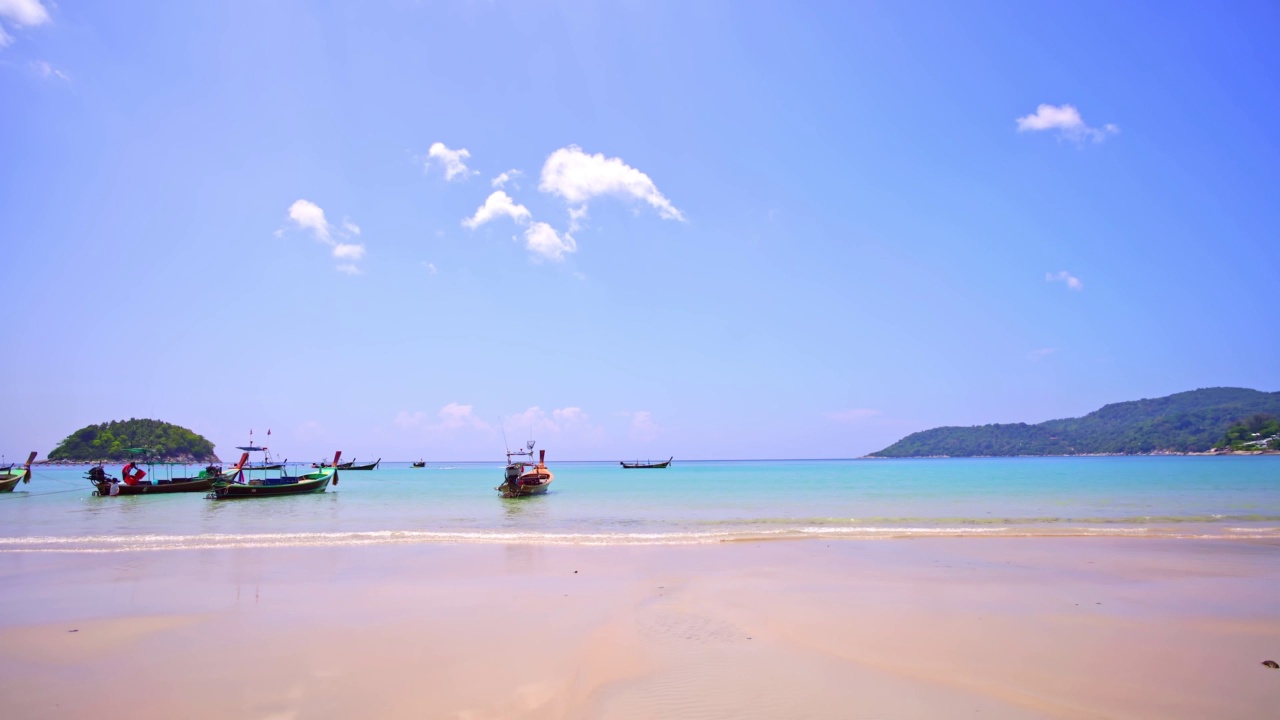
x: 690, y: 502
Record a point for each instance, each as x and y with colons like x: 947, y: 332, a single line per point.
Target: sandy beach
x: 922, y: 628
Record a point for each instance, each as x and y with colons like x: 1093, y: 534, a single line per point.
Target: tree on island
x: 1255, y: 433
x: 112, y: 441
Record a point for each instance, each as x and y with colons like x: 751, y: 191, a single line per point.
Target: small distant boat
x: 343, y: 466
x: 524, y: 477
x: 133, y: 482
x: 235, y: 486
x: 371, y: 466
x: 420, y: 464
x: 647, y: 464
x: 10, y: 479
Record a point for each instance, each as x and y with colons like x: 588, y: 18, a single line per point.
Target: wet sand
x: 922, y: 628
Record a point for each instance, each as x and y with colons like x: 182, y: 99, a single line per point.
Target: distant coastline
x: 1209, y: 421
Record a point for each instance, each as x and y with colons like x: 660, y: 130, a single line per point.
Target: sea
x: 691, y: 502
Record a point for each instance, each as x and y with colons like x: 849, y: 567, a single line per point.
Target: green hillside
x: 1192, y: 421
x: 112, y: 440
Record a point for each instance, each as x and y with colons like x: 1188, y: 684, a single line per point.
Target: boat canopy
x: 250, y: 448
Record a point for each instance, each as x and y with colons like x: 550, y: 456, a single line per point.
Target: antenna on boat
x: 503, y: 422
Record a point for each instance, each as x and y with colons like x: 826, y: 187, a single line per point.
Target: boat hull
x: 305, y: 486
x: 530, y: 484
x: 646, y: 465
x: 7, y: 484
x: 194, y: 485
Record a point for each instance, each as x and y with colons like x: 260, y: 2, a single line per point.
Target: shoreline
x: 110, y: 544
x: 1028, y: 627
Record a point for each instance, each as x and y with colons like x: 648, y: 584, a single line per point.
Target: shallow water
x: 690, y: 502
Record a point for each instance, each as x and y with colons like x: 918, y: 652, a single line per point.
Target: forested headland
x: 112, y: 442
x: 1187, y: 422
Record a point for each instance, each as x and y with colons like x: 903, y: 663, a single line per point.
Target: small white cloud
x: 23, y: 13
x: 851, y: 415
x: 569, y: 415
x: 310, y: 216
x: 1042, y: 353
x: 542, y: 240
x: 454, y: 415
x: 348, y: 251
x: 431, y: 268
x: 452, y: 160
x: 1066, y: 120
x: 1072, y: 281
x: 536, y: 421
x: 505, y: 178
x: 576, y: 216
x: 578, y: 177
x: 497, y: 205
x: 45, y: 70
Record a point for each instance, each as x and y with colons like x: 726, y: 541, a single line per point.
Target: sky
x: 632, y: 229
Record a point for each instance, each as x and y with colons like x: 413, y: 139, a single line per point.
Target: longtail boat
x: 10, y: 479
x: 637, y: 465
x: 267, y: 463
x: 236, y: 486
x: 420, y: 464
x: 524, y: 477
x: 133, y: 482
x: 344, y: 466
x: 371, y: 466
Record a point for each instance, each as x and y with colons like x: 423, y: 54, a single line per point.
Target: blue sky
x: 737, y: 229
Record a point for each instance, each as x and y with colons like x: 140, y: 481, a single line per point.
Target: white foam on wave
x: 217, y: 541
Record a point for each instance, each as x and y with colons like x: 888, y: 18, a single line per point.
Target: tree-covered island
x: 1210, y: 419
x: 111, y: 441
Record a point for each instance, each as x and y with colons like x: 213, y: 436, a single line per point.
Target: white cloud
x: 578, y: 177
x: 21, y: 13
x: 452, y: 160
x: 24, y: 12
x: 543, y: 240
x: 1066, y: 120
x: 454, y: 415
x: 1042, y: 353
x: 451, y: 417
x: 431, y: 268
x: 45, y: 70
x: 569, y: 415
x: 310, y: 216
x: 851, y: 415
x: 348, y: 251
x: 576, y: 216
x: 505, y: 178
x: 497, y: 205
x: 1072, y: 281
x: 569, y: 421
